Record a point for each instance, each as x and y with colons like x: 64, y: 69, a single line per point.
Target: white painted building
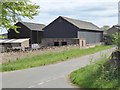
x: 119, y: 13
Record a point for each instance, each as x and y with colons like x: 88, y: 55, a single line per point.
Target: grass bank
x: 102, y: 74
x: 49, y: 58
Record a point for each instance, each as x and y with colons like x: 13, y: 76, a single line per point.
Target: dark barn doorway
x: 56, y: 43
x: 82, y: 43
x: 64, y: 43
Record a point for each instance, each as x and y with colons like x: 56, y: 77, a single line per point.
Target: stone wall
x: 50, y: 41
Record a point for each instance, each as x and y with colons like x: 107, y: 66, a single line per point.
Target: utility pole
x: 119, y: 13
x: 118, y: 24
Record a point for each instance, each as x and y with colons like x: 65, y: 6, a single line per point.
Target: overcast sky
x: 99, y: 12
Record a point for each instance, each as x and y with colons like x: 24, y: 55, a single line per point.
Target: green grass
x: 101, y: 74
x: 49, y: 58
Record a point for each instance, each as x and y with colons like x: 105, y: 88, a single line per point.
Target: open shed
x: 7, y: 44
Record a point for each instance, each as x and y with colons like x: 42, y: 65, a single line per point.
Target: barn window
x: 64, y: 43
x: 56, y: 43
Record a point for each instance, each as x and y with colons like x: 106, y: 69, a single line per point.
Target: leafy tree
x: 12, y: 11
x: 105, y: 27
x: 116, y: 39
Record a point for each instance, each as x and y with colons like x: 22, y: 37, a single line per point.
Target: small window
x: 56, y: 43
x: 64, y: 43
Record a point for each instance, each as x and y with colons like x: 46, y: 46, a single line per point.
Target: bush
x: 116, y: 39
x: 102, y: 74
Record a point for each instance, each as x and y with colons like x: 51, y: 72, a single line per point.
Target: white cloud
x: 101, y: 12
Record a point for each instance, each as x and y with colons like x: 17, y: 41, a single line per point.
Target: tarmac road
x: 49, y: 76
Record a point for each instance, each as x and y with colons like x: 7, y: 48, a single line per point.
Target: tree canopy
x: 11, y: 12
x: 116, y: 39
x: 105, y: 27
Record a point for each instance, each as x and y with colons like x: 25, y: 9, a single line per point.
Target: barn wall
x: 112, y: 31
x: 40, y: 36
x: 60, y: 28
x: 34, y: 37
x: 50, y: 41
x: 90, y: 36
x: 37, y: 36
x: 24, y: 32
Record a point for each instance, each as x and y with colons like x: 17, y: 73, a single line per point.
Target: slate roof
x: 34, y: 26
x: 82, y: 24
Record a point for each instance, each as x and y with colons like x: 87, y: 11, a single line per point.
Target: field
x: 49, y: 58
x: 102, y: 74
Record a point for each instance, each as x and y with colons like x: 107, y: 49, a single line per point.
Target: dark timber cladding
x: 108, y: 37
x: 28, y: 30
x: 66, y: 30
x: 113, y: 29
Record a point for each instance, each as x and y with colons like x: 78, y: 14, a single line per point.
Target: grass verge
x: 102, y: 74
x: 49, y: 58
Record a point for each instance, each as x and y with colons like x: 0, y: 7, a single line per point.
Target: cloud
x: 100, y: 12
x: 90, y: 10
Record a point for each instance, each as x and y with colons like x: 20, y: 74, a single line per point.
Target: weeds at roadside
x: 102, y: 74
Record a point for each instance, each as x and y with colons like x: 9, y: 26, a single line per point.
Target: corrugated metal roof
x: 1, y: 40
x: 34, y: 26
x: 19, y: 40
x: 8, y: 40
x: 82, y: 24
x: 13, y: 40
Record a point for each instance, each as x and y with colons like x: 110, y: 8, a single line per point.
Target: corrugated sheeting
x: 13, y: 40
x: 90, y: 37
x: 34, y: 26
x: 83, y: 24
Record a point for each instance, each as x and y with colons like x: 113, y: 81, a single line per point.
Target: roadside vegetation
x: 49, y: 58
x: 101, y: 74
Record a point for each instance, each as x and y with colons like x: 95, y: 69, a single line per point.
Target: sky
x: 99, y: 12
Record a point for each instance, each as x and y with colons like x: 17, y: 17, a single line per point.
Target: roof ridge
x: 33, y: 26
x: 75, y: 19
x: 32, y: 23
x: 81, y: 24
